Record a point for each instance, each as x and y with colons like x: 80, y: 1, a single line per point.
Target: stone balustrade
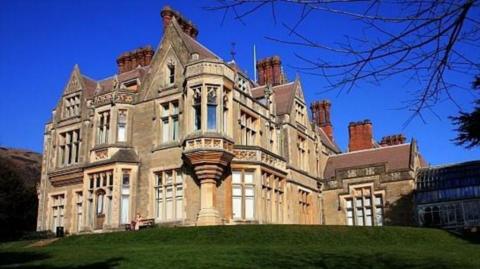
x: 257, y: 155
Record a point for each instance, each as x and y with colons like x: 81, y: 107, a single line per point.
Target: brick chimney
x: 187, y: 26
x: 391, y: 140
x: 321, y: 116
x: 269, y: 71
x: 131, y: 59
x: 360, y: 134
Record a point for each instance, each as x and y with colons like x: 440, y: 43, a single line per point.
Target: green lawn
x: 251, y: 246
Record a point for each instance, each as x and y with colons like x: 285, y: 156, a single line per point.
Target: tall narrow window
x: 302, y: 153
x: 211, y: 108
x: 304, y: 204
x: 243, y: 195
x: 169, y: 195
x: 349, y: 208
x: 79, y: 209
x: 272, y: 198
x: 175, y: 131
x: 170, y: 126
x: 103, y: 128
x: 225, y: 112
x: 125, y: 197
x: 197, y: 108
x: 58, y: 206
x: 69, y: 147
x: 171, y: 73
x: 247, y: 129
x: 378, y: 210
x: 165, y: 123
x: 122, y: 126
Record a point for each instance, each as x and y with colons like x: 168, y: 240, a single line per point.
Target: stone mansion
x: 183, y: 137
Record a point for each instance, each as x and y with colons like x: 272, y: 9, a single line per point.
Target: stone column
x: 209, y: 166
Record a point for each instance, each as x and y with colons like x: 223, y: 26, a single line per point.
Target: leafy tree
x: 469, y: 124
x: 18, y: 203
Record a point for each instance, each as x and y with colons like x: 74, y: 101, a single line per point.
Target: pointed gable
x: 75, y: 83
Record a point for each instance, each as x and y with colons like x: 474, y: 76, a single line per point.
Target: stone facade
x: 185, y: 138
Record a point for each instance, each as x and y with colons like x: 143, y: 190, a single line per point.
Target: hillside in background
x: 251, y: 246
x: 26, y: 164
x: 19, y: 174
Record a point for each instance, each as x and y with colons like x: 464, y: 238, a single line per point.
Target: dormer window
x: 195, y: 56
x: 131, y: 85
x: 171, y: 73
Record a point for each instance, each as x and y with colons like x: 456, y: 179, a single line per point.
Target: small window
x: 195, y: 56
x: 171, y: 73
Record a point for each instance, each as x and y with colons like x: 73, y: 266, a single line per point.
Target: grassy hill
x: 251, y: 246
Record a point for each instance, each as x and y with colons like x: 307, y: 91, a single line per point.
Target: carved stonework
x: 74, y: 85
x: 115, y: 97
x: 209, y: 68
x: 66, y: 178
x: 209, y: 143
x: 259, y: 156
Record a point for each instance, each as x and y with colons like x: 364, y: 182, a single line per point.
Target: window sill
x: 166, y: 145
x: 168, y: 87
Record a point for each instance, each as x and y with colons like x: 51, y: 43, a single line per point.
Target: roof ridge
x: 372, y: 149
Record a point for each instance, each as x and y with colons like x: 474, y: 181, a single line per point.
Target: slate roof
x: 195, y: 46
x: 327, y: 142
x: 395, y: 157
x: 283, y: 96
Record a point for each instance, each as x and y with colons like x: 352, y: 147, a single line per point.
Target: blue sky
x: 43, y: 40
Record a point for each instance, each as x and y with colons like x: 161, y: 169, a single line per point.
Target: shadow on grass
x: 471, y: 237
x: 342, y: 260
x: 23, y: 260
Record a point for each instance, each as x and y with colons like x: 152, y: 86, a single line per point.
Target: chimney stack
x: 360, y: 135
x: 269, y: 71
x: 187, y: 26
x: 130, y: 60
x: 391, y: 140
x: 321, y: 116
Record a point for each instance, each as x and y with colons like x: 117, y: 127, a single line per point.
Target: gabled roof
x: 395, y: 157
x: 283, y: 96
x: 193, y: 45
x: 327, y: 142
x: 90, y: 86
